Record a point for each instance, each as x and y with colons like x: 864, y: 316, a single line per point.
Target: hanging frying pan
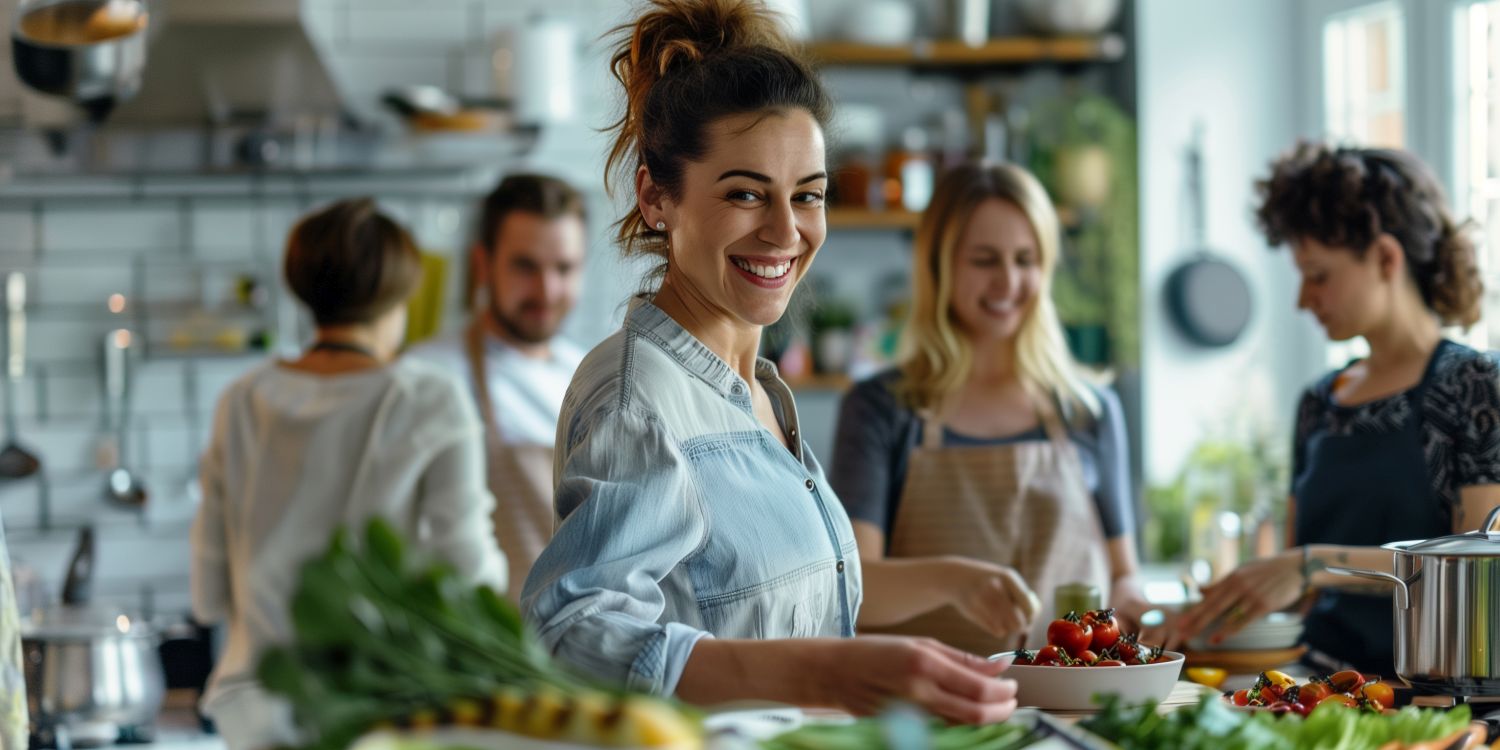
x: 1207, y: 297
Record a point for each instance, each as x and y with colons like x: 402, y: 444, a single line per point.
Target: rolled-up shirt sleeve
x: 630, y: 514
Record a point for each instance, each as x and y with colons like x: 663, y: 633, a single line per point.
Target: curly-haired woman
x: 1403, y: 444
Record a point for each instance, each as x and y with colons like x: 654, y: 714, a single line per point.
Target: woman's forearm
x: 898, y: 589
x: 724, y: 670
x: 1320, y: 557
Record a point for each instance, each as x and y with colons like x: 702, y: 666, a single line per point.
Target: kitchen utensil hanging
x: 15, y: 461
x: 1207, y: 297
x: 121, y: 486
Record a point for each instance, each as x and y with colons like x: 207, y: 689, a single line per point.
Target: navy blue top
x: 877, y: 433
x: 1459, y: 413
x: 1386, y: 471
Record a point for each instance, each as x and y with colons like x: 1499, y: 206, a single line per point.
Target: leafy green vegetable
x: 1211, y: 725
x: 375, y: 642
x: 875, y: 734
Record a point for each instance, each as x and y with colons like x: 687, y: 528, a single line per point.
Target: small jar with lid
x: 909, y: 172
x: 1076, y: 597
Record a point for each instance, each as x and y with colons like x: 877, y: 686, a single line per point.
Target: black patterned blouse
x: 1460, y: 412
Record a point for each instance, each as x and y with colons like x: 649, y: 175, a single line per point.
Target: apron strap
x: 479, y: 373
x: 1052, y: 424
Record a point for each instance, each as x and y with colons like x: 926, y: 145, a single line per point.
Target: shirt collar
x: 649, y: 321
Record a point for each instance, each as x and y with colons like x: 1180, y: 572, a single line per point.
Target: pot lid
x: 1483, y: 542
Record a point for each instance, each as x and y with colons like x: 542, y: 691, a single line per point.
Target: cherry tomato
x: 1241, y: 697
x: 1106, y: 630
x: 1313, y: 692
x: 1301, y: 709
x: 1340, y: 698
x: 1127, y: 648
x: 1379, y: 692
x: 1070, y: 633
x: 1280, y: 707
x: 1048, y: 656
x: 1346, y: 681
x: 1087, y: 657
x: 1109, y: 663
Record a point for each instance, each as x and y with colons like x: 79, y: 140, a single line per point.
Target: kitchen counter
x: 177, y: 726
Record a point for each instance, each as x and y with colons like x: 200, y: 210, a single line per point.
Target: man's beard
x: 517, y: 330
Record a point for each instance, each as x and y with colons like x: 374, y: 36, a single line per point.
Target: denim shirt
x: 680, y: 517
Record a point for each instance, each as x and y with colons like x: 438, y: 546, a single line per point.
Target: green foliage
x: 1257, y: 477
x: 1211, y: 725
x: 1098, y: 280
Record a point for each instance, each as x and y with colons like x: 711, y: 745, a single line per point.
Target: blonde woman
x: 984, y: 466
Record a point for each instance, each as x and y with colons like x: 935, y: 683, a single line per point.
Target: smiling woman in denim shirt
x: 700, y: 552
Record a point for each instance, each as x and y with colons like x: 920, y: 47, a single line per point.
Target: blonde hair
x: 936, y: 356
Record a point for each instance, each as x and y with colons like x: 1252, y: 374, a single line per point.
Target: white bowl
x: 1069, y: 16
x: 884, y: 23
x: 1278, y: 630
x: 1074, y: 688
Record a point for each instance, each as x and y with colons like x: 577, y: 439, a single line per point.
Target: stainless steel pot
x: 1446, y: 607
x: 90, y: 51
x: 86, y: 666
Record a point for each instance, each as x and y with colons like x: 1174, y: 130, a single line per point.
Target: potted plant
x: 831, y: 330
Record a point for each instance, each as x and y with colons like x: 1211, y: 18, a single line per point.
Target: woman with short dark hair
x: 1403, y: 444
x: 339, y: 435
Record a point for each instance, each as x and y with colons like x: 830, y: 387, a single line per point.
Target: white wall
x: 1235, y: 66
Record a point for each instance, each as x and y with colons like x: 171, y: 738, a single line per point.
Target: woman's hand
x: 864, y: 675
x: 1129, y: 603
x: 992, y: 596
x: 1251, y: 592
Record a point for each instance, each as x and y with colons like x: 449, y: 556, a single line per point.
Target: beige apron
x: 1024, y: 505
x: 519, y: 476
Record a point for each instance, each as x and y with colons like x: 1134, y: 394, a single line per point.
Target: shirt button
x: 793, y: 434
x: 736, y: 390
x: 840, y: 566
x: 808, y: 484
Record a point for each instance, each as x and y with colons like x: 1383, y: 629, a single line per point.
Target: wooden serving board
x: 1245, y: 662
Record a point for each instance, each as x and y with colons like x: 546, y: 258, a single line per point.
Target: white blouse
x: 296, y: 455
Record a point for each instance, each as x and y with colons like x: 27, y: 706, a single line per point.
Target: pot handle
x: 1403, y: 594
x: 1490, y: 522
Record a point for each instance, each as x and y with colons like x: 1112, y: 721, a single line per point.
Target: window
x: 1364, y: 95
x: 1364, y: 75
x: 1476, y: 68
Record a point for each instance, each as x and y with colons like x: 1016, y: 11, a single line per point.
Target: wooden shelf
x: 859, y: 218
x: 952, y: 53
x: 835, y: 382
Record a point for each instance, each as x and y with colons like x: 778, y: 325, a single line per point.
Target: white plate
x: 1073, y: 688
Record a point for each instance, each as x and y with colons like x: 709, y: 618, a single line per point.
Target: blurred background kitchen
x: 141, y: 238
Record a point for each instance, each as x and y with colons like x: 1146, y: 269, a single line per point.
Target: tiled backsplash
x: 76, y: 254
x: 77, y: 251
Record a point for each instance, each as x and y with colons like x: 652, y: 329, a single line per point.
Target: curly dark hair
x: 1348, y: 197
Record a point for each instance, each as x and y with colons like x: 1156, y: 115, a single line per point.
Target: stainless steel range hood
x: 216, y: 62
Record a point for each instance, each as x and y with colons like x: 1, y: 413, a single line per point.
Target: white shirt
x: 527, y: 392
x: 296, y: 455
